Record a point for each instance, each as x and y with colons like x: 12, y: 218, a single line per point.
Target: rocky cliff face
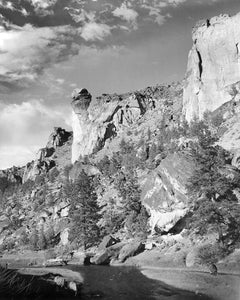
x: 96, y: 121
x: 30, y: 196
x: 48, y: 157
x: 213, y: 72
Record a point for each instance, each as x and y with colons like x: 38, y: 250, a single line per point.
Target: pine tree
x: 129, y: 191
x: 42, y: 242
x: 84, y: 212
x: 214, y: 202
x: 49, y: 236
x: 34, y: 239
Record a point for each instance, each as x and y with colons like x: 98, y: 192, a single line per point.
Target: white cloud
x: 81, y: 15
x: 42, y: 6
x: 26, y: 51
x: 16, y: 155
x: 9, y: 5
x: 95, y: 31
x: 127, y: 14
x: 43, y: 3
x: 25, y: 127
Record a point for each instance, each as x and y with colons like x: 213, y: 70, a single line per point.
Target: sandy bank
x: 221, y: 287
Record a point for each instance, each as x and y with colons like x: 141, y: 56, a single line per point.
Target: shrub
x: 53, y: 174
x: 217, y: 120
x: 210, y: 253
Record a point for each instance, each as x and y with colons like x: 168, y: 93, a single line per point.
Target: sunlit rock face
x: 96, y: 121
x: 164, y: 191
x: 213, y: 72
x: 82, y: 141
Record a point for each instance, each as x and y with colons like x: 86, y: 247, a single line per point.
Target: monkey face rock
x: 213, y: 73
x: 95, y: 122
x: 80, y: 122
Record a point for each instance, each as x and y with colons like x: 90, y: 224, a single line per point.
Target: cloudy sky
x: 49, y: 47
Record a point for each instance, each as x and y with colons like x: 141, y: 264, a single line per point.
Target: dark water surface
x: 120, y: 283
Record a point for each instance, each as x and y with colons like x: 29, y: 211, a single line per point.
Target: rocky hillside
x: 135, y: 157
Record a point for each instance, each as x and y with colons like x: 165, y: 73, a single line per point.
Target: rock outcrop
x: 10, y: 176
x: 130, y: 249
x: 47, y: 158
x: 164, y: 191
x: 97, y: 121
x: 213, y: 72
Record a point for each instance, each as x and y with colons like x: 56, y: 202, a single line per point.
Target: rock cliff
x: 213, y: 71
x: 99, y: 120
x: 48, y: 157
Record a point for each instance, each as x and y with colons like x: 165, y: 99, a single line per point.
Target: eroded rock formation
x: 213, y: 72
x: 101, y: 119
x: 46, y: 157
x: 95, y: 122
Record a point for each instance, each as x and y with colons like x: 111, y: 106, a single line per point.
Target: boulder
x: 130, y: 250
x: 164, y: 192
x: 102, y: 258
x: 107, y: 242
x: 105, y: 256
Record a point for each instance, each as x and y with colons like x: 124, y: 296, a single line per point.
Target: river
x: 121, y: 283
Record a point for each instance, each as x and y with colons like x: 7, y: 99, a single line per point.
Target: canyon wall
x: 213, y: 71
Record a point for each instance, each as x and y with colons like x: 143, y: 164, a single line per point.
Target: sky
x: 50, y: 47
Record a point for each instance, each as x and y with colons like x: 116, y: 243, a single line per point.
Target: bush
x: 217, y: 120
x: 210, y: 253
x: 53, y: 174
x: 28, y: 186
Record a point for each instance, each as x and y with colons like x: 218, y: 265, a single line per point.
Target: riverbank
x: 221, y: 287
x: 172, y: 271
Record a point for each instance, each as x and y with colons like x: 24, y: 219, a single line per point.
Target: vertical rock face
x: 80, y: 123
x: 213, y: 73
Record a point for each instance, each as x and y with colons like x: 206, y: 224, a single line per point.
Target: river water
x: 121, y: 283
